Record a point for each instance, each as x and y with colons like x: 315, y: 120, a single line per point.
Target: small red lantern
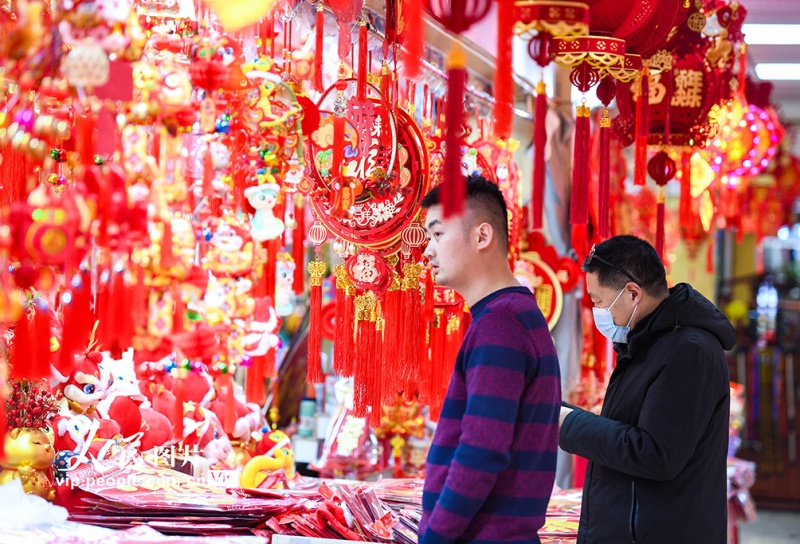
x: 317, y: 233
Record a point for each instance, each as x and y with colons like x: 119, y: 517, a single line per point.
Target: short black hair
x: 623, y: 258
x: 484, y: 200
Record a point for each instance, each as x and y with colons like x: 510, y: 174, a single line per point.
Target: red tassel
x: 603, y: 178
x: 343, y: 351
x: 139, y: 302
x: 319, y: 47
x: 347, y: 339
x: 363, y: 70
x: 539, y: 144
x: 86, y: 140
x: 298, y: 245
x: 270, y: 267
x: 642, y: 130
x: 374, y: 371
x: 208, y: 173
x: 580, y: 239
x: 504, y: 74
x: 410, y: 336
x: 180, y: 311
x: 685, y: 204
x: 390, y: 384
x: 579, y: 200
x: 314, y: 362
x: 269, y: 367
x: 660, y: 224
x: 118, y: 316
x: 167, y: 256
x: 38, y: 338
x: 453, y: 188
x: 413, y: 32
x: 366, y: 338
x: 229, y: 416
x: 15, y: 169
x: 177, y: 411
x: 254, y: 381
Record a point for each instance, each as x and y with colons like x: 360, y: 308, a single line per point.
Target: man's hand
x: 564, y: 413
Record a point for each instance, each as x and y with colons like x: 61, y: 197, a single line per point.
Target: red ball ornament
x: 458, y: 15
x: 661, y: 168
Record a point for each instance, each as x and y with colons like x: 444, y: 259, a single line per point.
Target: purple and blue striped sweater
x: 491, y: 466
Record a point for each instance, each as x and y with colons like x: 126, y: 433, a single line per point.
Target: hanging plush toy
x: 264, y: 197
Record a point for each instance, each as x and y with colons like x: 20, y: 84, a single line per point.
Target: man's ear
x: 635, y: 291
x: 485, y: 234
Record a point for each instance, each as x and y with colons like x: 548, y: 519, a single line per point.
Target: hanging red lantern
x: 662, y: 169
x: 317, y: 233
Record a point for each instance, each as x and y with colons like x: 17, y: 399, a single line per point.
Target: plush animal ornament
x: 262, y: 334
x: 264, y: 197
x: 83, y: 388
x: 275, y: 453
x: 28, y: 456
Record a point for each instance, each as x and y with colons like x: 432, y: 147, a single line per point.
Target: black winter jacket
x: 657, y: 453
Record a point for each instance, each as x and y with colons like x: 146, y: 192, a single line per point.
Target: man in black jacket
x: 657, y: 451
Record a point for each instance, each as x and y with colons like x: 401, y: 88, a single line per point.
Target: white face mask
x: 605, y: 323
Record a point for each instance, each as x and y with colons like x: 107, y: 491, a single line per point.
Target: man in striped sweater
x: 491, y: 467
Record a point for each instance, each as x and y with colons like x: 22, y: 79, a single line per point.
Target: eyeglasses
x: 594, y: 257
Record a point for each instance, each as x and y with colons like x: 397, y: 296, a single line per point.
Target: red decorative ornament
x: 317, y: 233
x: 662, y: 169
x: 413, y: 235
x: 368, y: 271
x: 385, y: 205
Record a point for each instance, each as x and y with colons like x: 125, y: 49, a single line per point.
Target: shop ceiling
x: 786, y: 93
